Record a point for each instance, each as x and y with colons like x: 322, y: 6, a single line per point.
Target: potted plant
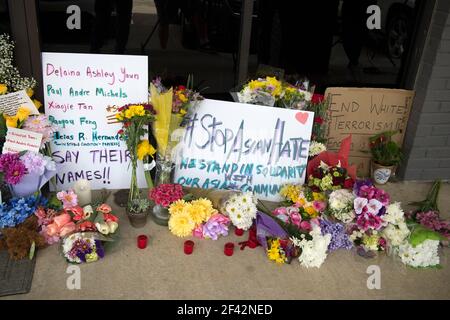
x: 386, y: 155
x: 135, y: 119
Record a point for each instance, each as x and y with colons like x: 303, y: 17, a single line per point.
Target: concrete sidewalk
x: 162, y: 271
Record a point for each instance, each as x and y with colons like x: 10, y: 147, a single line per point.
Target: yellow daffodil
x: 144, y: 149
x: 3, y: 88
x: 37, y: 103
x: 22, y: 113
x: 11, y: 122
x: 30, y: 92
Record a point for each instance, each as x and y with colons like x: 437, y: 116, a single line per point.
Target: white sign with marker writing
x: 245, y: 147
x: 82, y: 93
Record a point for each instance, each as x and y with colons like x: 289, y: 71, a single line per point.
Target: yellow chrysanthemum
x: 22, y: 113
x: 274, y: 253
x: 181, y: 224
x: 177, y: 206
x: 129, y: 113
x: 203, y: 210
x: 275, y: 84
x: 144, y: 149
x: 30, y: 92
x: 183, y: 112
x: 37, y: 103
x: 3, y: 88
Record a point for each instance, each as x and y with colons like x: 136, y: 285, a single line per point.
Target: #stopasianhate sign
x: 364, y: 112
x: 82, y: 93
x: 227, y: 145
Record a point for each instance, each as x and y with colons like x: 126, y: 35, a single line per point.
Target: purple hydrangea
x: 339, y: 238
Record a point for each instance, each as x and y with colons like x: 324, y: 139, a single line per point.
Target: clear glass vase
x: 164, y: 171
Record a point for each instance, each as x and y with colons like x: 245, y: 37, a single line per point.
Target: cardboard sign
x: 82, y: 93
x: 245, y: 147
x: 364, y: 112
x: 18, y: 140
x: 9, y: 103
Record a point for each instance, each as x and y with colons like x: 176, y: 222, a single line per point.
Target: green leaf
x: 420, y: 233
x: 32, y: 250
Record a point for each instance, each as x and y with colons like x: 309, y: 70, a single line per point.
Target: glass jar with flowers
x: 163, y: 196
x: 135, y: 119
x: 386, y: 155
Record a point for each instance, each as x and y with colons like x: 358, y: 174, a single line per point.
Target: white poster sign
x: 245, y: 147
x: 82, y: 93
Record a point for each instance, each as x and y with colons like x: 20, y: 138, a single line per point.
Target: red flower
x: 181, y: 88
x: 317, y: 98
x: 120, y: 131
x: 86, y: 226
x: 348, y: 183
x: 127, y: 124
x: 110, y: 217
x: 318, y: 120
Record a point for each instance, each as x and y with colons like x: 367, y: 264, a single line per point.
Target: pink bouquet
x: 166, y: 194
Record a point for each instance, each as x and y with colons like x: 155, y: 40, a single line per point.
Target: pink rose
x: 305, y: 225
x: 319, y: 206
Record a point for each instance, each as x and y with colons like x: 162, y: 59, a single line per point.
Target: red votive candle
x: 238, y: 232
x: 228, y: 248
x: 188, y: 246
x: 142, y: 241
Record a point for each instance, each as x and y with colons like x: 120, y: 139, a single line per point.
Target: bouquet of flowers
x: 428, y: 215
x: 240, y: 208
x: 19, y: 226
x: 135, y: 118
x: 190, y: 218
x: 311, y: 203
x: 340, y: 205
x: 83, y: 247
x: 163, y: 196
x: 26, y: 172
x: 329, y: 178
x: 172, y: 106
x: 262, y: 91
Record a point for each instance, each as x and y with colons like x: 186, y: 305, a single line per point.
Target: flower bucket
x: 381, y: 174
x: 29, y: 184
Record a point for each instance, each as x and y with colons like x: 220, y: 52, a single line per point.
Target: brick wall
x: 427, y: 142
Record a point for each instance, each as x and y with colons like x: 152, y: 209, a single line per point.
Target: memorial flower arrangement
x: 26, y: 172
x: 135, y: 119
x: 166, y: 194
x: 310, y: 204
x: 329, y: 178
x: 188, y: 218
x: 241, y: 209
x: 83, y: 247
x: 19, y: 226
x: 10, y: 79
x: 340, y: 205
x: 270, y: 91
x: 172, y: 106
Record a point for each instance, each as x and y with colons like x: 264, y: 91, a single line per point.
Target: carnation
x: 394, y: 214
x: 423, y: 255
x: 165, y: 194
x: 396, y: 235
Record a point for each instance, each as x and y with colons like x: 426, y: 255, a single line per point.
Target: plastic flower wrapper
x: 162, y: 103
x: 334, y: 159
x: 40, y: 169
